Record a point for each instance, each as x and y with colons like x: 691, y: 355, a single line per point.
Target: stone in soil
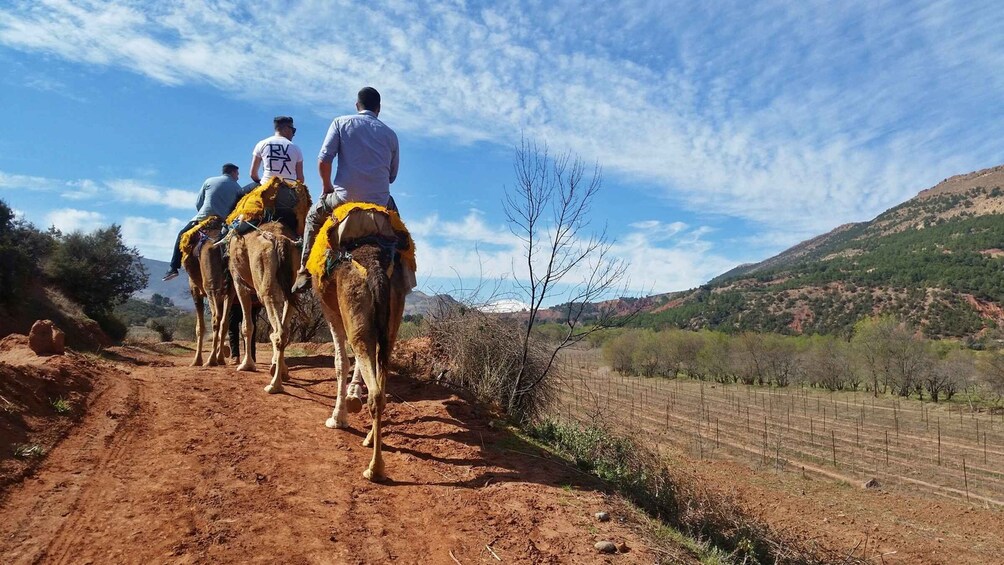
x: 606, y: 547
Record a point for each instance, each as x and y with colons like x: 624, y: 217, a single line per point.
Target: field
x: 942, y: 450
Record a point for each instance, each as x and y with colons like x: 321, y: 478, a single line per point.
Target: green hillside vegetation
x: 932, y: 261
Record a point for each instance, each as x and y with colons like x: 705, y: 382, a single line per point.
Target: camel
x: 264, y: 262
x: 207, y: 279
x: 362, y: 298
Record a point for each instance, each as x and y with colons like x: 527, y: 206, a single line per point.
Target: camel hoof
x: 212, y: 363
x: 373, y: 476
x: 334, y: 424
x: 353, y: 404
x: 196, y: 363
x: 273, y: 389
x: 250, y: 368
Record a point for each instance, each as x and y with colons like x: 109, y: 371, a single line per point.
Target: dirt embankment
x: 194, y: 465
x: 41, y: 398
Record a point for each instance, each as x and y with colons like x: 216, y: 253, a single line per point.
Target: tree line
x: 883, y: 356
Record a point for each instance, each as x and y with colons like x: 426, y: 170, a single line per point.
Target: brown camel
x: 363, y: 302
x: 207, y: 279
x: 264, y: 262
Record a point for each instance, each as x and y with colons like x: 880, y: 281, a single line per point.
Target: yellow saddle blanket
x: 356, y: 220
x: 190, y: 239
x: 255, y: 205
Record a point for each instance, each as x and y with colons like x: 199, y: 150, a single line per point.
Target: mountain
x: 176, y: 290
x: 936, y: 260
x: 417, y: 302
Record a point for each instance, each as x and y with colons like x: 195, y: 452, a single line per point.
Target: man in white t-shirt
x: 279, y: 155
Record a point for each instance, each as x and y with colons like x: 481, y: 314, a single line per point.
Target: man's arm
x: 299, y: 170
x: 324, y: 169
x: 255, y: 163
x: 202, y: 197
x: 395, y: 156
x: 329, y: 149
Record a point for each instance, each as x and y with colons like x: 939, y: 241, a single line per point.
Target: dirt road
x: 172, y: 464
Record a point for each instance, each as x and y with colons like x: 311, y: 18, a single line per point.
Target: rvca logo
x: 278, y: 158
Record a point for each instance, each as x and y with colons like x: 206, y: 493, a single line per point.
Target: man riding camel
x: 217, y: 197
x: 280, y: 156
x: 368, y: 155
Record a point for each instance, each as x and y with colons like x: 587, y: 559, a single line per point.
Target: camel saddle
x: 358, y: 223
x: 192, y: 240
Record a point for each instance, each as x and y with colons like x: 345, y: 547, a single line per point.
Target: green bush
x: 98, y: 271
x: 22, y: 248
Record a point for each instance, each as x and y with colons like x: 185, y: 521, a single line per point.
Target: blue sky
x: 727, y: 131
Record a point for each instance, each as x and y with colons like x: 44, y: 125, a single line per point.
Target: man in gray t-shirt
x: 368, y: 154
x: 218, y: 197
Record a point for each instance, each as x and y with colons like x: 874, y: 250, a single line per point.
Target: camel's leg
x: 245, y: 297
x: 199, y: 329
x: 372, y: 373
x: 286, y: 311
x: 224, y: 326
x: 339, y: 416
x: 214, y: 313
x: 220, y: 317
x: 353, y: 398
x: 273, y: 308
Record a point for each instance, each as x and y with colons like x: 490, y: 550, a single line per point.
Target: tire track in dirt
x: 30, y: 532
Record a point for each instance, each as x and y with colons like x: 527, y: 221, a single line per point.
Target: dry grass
x: 485, y: 353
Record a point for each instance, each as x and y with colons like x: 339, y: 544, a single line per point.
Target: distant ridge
x: 936, y: 260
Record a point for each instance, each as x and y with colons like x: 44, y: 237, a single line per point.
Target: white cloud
x: 794, y: 116
x: 25, y: 182
x: 154, y: 238
x: 112, y: 190
x: 663, y: 256
x: 129, y: 190
x: 70, y: 220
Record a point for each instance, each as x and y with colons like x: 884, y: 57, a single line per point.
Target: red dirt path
x: 195, y: 465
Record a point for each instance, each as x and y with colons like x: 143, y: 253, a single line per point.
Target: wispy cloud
x: 104, y: 191
x: 70, y: 220
x: 26, y: 182
x: 665, y: 256
x: 794, y: 116
x: 153, y: 237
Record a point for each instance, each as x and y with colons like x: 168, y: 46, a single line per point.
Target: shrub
x: 485, y: 351
x: 163, y: 327
x: 98, y: 271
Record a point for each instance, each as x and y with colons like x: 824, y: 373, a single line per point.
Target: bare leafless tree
x: 548, y: 209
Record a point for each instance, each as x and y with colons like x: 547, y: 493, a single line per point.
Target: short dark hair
x: 369, y: 98
x: 229, y: 168
x: 282, y: 121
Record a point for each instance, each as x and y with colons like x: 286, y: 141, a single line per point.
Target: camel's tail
x: 379, y: 284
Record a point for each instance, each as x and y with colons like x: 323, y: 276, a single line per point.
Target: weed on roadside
x: 25, y: 451
x: 61, y: 405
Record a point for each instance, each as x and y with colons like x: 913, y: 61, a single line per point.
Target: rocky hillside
x: 936, y: 260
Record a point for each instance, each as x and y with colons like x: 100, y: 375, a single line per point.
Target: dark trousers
x: 176, y: 257
x: 236, y: 316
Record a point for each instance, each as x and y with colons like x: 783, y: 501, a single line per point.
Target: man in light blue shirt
x: 368, y: 155
x: 218, y: 197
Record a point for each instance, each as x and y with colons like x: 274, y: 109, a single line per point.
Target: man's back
x: 218, y: 197
x: 367, y: 151
x: 279, y: 157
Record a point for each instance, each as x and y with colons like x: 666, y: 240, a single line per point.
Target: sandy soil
x: 171, y: 464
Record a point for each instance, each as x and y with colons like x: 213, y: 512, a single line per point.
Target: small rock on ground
x: 606, y: 547
x: 603, y: 516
